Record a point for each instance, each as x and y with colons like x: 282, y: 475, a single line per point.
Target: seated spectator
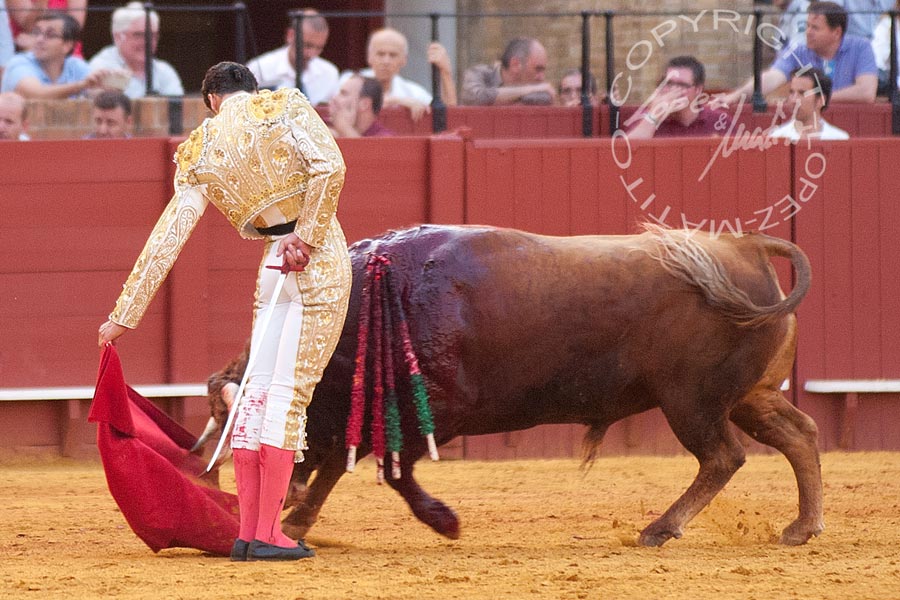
x: 810, y: 93
x: 848, y: 60
x: 278, y: 68
x: 793, y: 21
x: 570, y: 89
x: 49, y: 70
x: 13, y: 117
x: 24, y: 14
x: 881, y: 47
x: 111, y: 116
x: 387, y: 54
x: 517, y: 79
x: 128, y: 53
x: 676, y: 106
x: 862, y: 17
x: 353, y: 111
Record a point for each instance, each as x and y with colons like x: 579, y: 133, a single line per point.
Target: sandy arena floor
x: 531, y: 529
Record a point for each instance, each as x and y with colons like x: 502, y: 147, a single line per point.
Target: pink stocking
x: 246, y: 475
x: 275, y: 468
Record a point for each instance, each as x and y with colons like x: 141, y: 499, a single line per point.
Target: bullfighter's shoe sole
x: 262, y: 551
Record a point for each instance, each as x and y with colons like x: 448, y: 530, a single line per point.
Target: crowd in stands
x: 846, y: 44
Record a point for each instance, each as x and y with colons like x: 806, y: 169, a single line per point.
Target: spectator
x: 111, y: 116
x: 50, y: 70
x: 862, y: 17
x: 809, y: 96
x: 848, y: 60
x: 517, y: 79
x: 353, y: 111
x: 881, y: 47
x: 13, y: 117
x: 677, y: 107
x: 793, y: 21
x: 570, y: 89
x: 24, y: 14
x: 128, y: 53
x: 278, y: 68
x: 387, y: 54
x: 7, y: 48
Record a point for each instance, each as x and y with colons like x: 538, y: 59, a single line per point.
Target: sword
x: 254, y: 352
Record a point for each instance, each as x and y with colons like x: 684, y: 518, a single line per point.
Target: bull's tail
x: 685, y: 258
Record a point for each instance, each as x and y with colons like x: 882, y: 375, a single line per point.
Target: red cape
x: 151, y: 472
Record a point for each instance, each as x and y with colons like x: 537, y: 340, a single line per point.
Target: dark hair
x: 689, y: 62
x: 592, y: 81
x: 111, y: 99
x: 226, y: 78
x: 372, y: 89
x: 519, y: 47
x: 835, y: 14
x: 821, y: 82
x: 71, y: 30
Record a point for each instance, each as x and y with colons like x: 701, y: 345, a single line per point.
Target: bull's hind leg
x: 709, y: 438
x: 427, y: 509
x: 769, y: 418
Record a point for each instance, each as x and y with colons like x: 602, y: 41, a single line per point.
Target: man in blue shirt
x: 848, y: 60
x: 49, y: 70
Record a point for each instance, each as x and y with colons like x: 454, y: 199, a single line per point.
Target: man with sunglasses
x: 678, y: 106
x: 48, y: 70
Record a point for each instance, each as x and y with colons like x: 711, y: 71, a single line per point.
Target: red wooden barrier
x: 851, y: 318
x: 85, y: 219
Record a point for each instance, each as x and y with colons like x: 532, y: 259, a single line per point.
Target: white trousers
x: 292, y: 353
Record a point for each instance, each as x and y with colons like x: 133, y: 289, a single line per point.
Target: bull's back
x: 520, y: 329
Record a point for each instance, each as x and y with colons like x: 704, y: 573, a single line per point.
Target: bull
x: 515, y: 330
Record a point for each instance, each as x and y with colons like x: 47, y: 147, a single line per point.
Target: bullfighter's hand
x: 296, y: 252
x: 109, y: 331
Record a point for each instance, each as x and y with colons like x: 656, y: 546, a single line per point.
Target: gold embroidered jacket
x: 262, y: 153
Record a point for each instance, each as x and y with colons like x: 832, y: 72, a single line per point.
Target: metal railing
x: 242, y: 26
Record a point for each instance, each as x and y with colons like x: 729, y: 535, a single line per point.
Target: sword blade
x: 254, y: 351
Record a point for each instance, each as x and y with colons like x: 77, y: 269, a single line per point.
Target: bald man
x: 387, y: 54
x: 517, y: 79
x: 13, y: 120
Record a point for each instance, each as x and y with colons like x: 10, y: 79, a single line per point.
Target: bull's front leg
x: 427, y: 509
x: 305, y: 514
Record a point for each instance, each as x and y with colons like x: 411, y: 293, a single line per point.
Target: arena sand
x: 531, y: 529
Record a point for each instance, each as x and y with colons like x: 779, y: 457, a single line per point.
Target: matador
x: 269, y: 164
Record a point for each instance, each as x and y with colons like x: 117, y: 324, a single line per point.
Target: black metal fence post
x: 893, y: 93
x: 297, y: 24
x: 438, y: 108
x: 148, y: 50
x: 611, y: 72
x: 240, y: 32
x: 587, y: 109
x: 759, y: 100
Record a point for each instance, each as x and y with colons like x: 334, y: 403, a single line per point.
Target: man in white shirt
x: 278, y: 69
x: 387, y: 53
x: 810, y: 93
x: 128, y: 54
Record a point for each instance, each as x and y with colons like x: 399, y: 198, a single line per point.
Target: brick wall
x: 726, y: 53
x: 153, y: 117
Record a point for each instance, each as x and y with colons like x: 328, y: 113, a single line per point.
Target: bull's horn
x: 210, y: 429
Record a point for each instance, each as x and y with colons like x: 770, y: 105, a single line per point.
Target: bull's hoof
x: 656, y: 536
x: 296, y: 525
x: 439, y: 517
x: 798, y: 533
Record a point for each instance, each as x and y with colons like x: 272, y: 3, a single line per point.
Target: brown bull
x: 514, y: 330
